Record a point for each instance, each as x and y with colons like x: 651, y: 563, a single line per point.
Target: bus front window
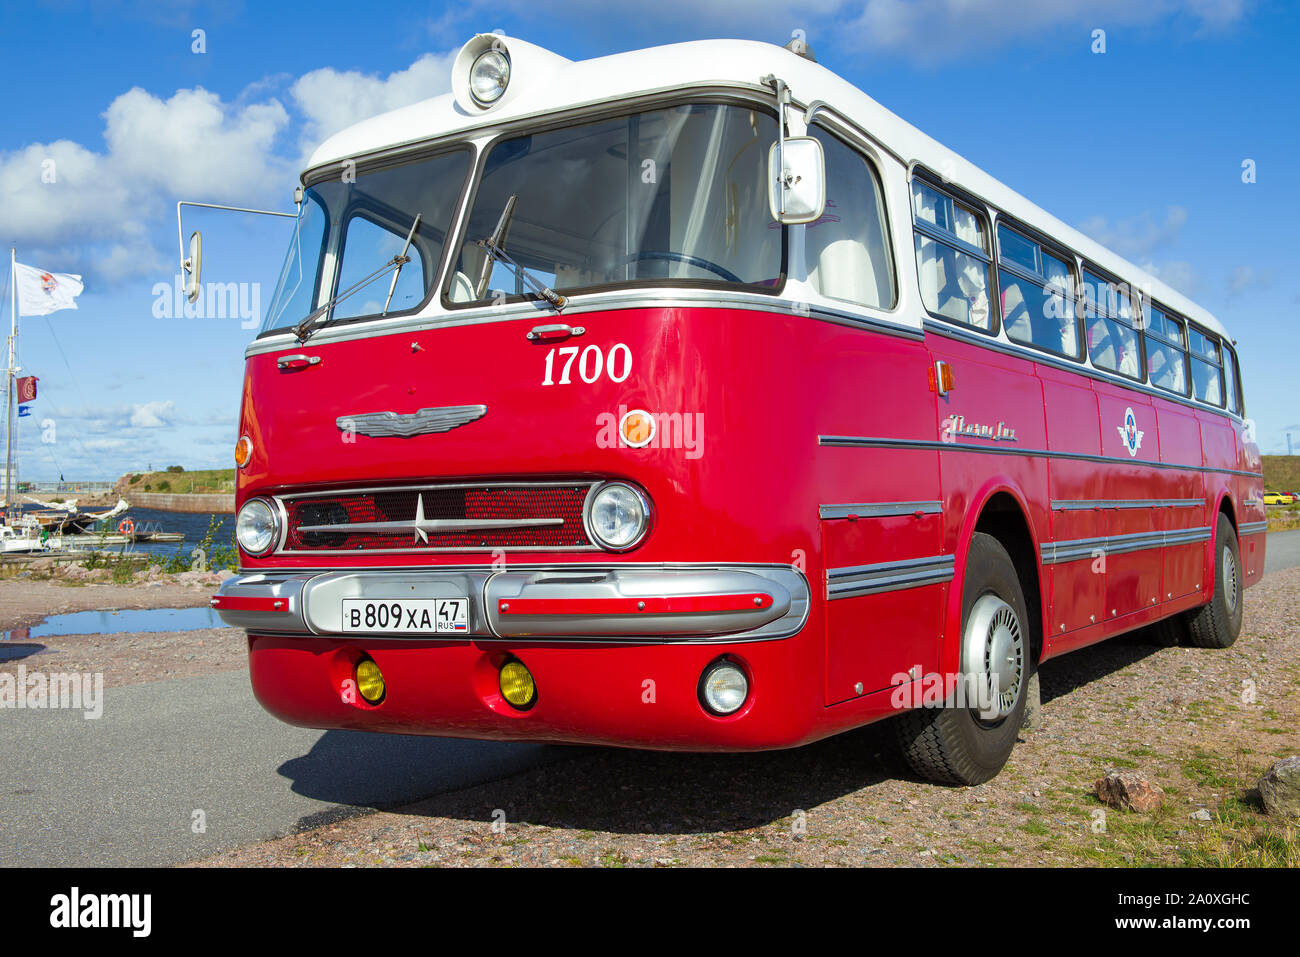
x: 674, y: 195
x: 351, y: 224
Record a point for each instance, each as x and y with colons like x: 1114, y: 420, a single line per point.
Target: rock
x: 1280, y: 788
x: 1201, y: 815
x: 1033, y: 718
x: 224, y: 574
x: 1129, y: 790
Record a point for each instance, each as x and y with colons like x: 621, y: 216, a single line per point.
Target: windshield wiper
x: 309, y: 325
x: 494, y: 247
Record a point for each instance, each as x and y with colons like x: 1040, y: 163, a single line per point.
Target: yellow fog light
x: 370, y: 681
x: 517, y: 685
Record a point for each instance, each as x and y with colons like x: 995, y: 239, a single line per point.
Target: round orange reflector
x: 243, y: 451
x: 637, y: 428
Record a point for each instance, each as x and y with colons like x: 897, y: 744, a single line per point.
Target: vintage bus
x: 689, y: 399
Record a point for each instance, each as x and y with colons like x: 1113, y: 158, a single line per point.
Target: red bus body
x: 858, y: 425
x: 816, y: 484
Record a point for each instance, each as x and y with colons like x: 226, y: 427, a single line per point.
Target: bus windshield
x: 354, y: 223
x: 671, y: 195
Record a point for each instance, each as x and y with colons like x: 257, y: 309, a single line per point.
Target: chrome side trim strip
x: 880, y: 509
x: 1251, y: 503
x: 1252, y: 528
x: 1077, y: 505
x: 871, y: 442
x: 855, y: 580
x: 1056, y: 553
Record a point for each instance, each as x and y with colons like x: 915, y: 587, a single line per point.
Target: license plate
x: 434, y: 616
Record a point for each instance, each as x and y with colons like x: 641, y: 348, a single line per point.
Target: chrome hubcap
x: 993, y: 656
x: 1230, y: 584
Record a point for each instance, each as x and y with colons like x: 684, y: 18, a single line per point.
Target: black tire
x: 1218, y: 624
x: 952, y: 745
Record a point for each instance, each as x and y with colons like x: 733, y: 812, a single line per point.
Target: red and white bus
x: 689, y: 399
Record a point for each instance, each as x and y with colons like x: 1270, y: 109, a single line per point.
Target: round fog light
x: 723, y: 687
x: 517, y: 685
x: 370, y: 681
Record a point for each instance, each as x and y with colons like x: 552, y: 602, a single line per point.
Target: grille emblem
x: 434, y: 419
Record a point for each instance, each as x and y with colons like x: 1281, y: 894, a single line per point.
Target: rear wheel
x: 1218, y: 624
x: 969, y: 745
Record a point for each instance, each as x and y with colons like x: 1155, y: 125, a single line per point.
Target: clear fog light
x: 724, y: 687
x: 257, y: 527
x: 489, y: 76
x: 617, y: 516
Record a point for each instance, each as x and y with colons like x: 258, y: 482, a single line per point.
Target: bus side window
x: 952, y: 258
x: 1166, y: 352
x: 1037, y: 295
x: 847, y: 249
x: 1230, y: 379
x: 1112, y: 339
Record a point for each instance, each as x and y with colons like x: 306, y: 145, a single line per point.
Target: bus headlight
x: 257, y: 526
x: 617, y: 516
x: 724, y: 687
x: 489, y: 76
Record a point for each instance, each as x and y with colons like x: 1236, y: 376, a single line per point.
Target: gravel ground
x: 124, y: 659
x: 1203, y: 724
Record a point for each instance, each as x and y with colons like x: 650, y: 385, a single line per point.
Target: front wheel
x: 970, y: 744
x: 1218, y: 624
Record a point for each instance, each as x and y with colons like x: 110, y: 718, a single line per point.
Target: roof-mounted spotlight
x: 481, y: 73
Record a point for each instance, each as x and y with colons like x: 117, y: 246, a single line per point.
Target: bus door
x: 1078, y: 583
x: 1130, y: 490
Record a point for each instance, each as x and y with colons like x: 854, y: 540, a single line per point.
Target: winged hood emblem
x: 404, y: 425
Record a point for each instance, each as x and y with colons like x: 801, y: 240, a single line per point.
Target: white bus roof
x: 543, y: 82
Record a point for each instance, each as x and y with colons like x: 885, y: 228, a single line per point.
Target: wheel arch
x: 999, y: 509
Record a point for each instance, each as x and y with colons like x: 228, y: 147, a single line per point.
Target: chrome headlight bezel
x: 500, y: 52
x: 275, y: 527
x: 647, y: 516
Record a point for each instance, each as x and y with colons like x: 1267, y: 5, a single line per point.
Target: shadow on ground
x: 626, y: 791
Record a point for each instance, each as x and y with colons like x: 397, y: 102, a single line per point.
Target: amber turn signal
x: 243, y: 451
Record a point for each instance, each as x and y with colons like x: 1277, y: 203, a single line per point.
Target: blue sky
x: 1140, y: 146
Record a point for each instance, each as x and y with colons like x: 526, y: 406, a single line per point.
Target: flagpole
x: 9, y: 379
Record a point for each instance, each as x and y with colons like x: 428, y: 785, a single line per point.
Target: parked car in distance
x: 1279, y: 498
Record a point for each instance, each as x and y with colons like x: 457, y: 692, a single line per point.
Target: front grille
x: 438, y: 518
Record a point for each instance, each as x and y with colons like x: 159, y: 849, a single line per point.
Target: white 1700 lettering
x: 592, y: 363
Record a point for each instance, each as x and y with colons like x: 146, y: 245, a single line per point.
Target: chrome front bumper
x: 579, y: 602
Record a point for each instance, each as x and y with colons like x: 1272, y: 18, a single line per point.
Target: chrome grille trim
x: 283, y: 500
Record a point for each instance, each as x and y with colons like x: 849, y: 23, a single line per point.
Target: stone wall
x: 174, y: 502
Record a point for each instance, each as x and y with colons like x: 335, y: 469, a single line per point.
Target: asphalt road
x: 123, y: 789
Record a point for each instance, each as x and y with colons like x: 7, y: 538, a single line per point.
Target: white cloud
x: 932, y: 31
x: 1245, y: 278
x: 1137, y: 236
x: 153, y: 415
x: 99, y: 211
x: 331, y: 100
x: 193, y: 144
x: 1178, y: 274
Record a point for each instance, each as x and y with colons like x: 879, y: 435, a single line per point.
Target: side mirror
x: 796, y: 175
x: 194, y: 267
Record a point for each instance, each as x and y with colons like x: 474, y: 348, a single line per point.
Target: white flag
x: 41, y: 293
